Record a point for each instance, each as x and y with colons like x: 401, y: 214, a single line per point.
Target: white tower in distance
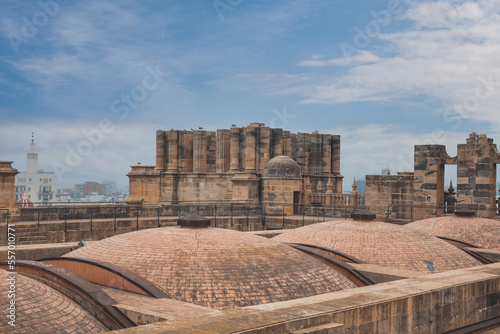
x: 32, y: 161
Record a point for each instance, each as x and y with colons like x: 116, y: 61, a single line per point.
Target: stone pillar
x: 144, y: 185
x: 307, y: 191
x: 199, y: 151
x: 264, y: 148
x: 287, y: 144
x: 250, y: 149
x: 429, y: 181
x: 235, y: 150
x: 326, y: 143
x: 329, y: 192
x: 336, y: 155
x: 7, y: 186
x: 160, y: 151
x: 303, y: 152
x: 338, y: 183
x: 277, y: 140
x: 476, y: 175
x: 173, y: 141
x: 222, y: 151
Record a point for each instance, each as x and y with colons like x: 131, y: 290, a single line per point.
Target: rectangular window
x: 30, y: 179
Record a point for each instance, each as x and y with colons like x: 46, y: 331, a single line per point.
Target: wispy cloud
x: 450, y: 48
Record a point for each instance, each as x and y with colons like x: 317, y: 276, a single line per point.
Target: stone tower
x: 476, y: 175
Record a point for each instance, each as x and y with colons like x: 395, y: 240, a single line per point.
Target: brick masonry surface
x: 481, y: 232
x: 382, y: 244
x: 217, y: 268
x: 41, y: 309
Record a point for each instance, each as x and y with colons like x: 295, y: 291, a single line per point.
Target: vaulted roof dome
x: 217, y: 268
x: 41, y: 309
x: 282, y: 167
x: 382, y: 244
x: 25, y: 202
x: 480, y: 232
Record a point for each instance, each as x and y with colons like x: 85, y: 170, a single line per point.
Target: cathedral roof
x: 41, y: 309
x: 382, y: 244
x: 217, y: 268
x: 480, y: 232
x: 25, y: 202
x: 282, y: 167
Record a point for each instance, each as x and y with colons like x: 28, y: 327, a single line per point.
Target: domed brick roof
x: 480, y: 232
x: 41, y: 309
x: 282, y: 167
x: 217, y: 268
x: 382, y: 244
x: 25, y: 202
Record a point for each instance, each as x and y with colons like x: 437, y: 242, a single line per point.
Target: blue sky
x: 385, y: 75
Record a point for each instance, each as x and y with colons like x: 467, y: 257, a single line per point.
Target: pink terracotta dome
x: 41, y: 309
x: 382, y: 244
x: 25, y: 202
x: 481, y: 232
x: 217, y: 268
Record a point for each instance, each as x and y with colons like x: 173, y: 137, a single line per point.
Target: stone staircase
x: 28, y: 235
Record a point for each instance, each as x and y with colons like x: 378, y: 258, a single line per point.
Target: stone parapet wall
x: 427, y: 304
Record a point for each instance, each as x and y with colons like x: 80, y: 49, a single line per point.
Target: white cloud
x: 446, y: 55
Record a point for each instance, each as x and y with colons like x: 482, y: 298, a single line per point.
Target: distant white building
x: 38, y: 185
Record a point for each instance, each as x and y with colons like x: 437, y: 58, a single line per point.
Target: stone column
x: 160, y: 151
x: 222, y: 151
x: 264, y: 148
x: 199, y: 151
x: 173, y: 141
x: 287, y: 144
x: 429, y: 181
x: 327, y: 154
x: 303, y: 152
x: 277, y: 140
x: 335, y: 154
x: 235, y: 150
x: 250, y: 149
x: 338, y: 183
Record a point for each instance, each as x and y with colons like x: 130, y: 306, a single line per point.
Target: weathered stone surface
x: 7, y: 186
x: 382, y: 244
x: 424, y: 190
x: 426, y: 304
x: 217, y: 268
x: 41, y: 309
x: 201, y: 165
x: 481, y: 232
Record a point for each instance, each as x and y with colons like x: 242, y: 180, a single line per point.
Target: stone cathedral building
x: 252, y: 164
